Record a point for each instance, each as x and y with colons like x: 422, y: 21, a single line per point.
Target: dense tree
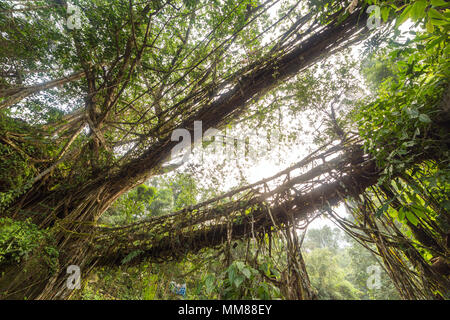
x: 322, y: 238
x: 88, y: 112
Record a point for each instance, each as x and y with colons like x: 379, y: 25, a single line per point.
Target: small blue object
x: 179, y: 289
x: 182, y: 290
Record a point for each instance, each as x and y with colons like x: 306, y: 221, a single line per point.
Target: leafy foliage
x: 19, y: 239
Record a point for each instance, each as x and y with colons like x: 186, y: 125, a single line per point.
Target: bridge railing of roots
x: 291, y: 196
x: 282, y: 204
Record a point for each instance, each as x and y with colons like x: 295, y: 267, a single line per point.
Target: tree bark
x: 14, y: 95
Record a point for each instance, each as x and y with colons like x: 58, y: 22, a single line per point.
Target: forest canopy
x: 201, y: 149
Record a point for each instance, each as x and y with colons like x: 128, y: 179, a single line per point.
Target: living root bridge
x: 245, y: 212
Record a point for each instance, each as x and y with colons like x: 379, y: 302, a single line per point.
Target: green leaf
x: 246, y: 272
x: 430, y: 27
x: 209, y: 283
x: 424, y: 118
x: 240, y: 265
x: 420, y: 212
x: 393, y: 213
x: 263, y: 291
x: 418, y: 10
x: 413, y: 113
x: 385, y: 13
x: 231, y: 274
x: 412, y: 218
x: 401, y: 214
x: 439, y: 3
x: 238, y: 281
x: 438, y: 22
x: 433, y: 13
x: 131, y: 256
x: 403, y: 16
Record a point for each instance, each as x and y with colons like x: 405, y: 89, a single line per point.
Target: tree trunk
x: 14, y: 95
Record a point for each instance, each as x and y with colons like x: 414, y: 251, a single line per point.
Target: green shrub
x: 18, y: 239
